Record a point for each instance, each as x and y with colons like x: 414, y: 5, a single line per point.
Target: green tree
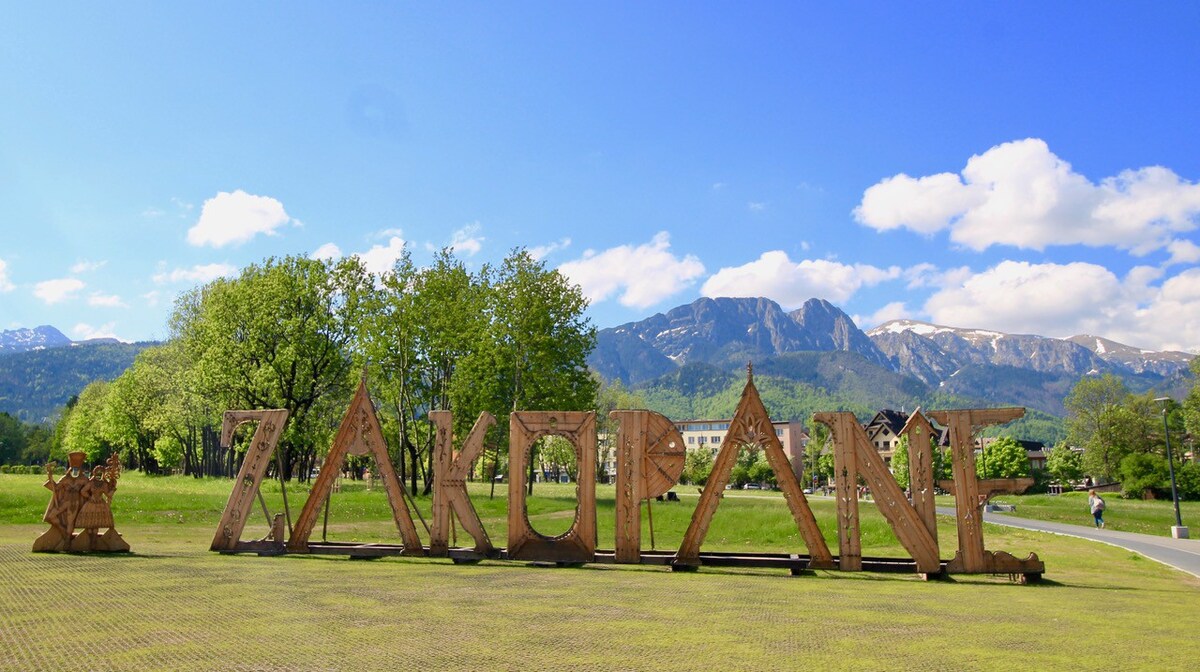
x: 1142, y: 473
x: 13, y: 439
x: 1065, y: 465
x: 697, y: 465
x: 87, y: 426
x: 534, y: 355
x: 900, y: 463
x: 1090, y: 421
x: 1003, y: 458
x: 277, y: 336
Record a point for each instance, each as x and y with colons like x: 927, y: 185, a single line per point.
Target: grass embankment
x: 1127, y: 515
x: 174, y: 605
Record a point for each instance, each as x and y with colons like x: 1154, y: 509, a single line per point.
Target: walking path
x: 1182, y: 554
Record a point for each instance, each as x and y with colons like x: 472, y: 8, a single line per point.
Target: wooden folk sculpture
x: 359, y: 434
x: 78, y: 502
x: 649, y: 459
x: 578, y: 544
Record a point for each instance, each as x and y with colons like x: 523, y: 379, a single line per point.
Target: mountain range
x: 971, y: 365
x: 41, y: 369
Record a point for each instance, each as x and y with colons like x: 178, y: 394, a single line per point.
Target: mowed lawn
x: 1127, y: 515
x: 172, y: 604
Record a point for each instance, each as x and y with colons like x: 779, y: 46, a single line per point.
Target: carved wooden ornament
x: 971, y: 493
x: 359, y: 434
x: 249, y: 479
x: 577, y: 544
x: 752, y: 426
x: 450, y: 489
x: 854, y: 456
x: 650, y: 457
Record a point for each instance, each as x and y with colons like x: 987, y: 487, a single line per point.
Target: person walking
x: 1096, y: 503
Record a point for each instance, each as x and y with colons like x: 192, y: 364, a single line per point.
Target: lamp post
x: 1178, y: 531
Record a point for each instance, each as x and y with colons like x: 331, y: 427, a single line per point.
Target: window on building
x: 716, y: 439
x: 691, y: 439
x: 702, y: 439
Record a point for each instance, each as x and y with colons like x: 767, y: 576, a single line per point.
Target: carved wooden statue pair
x: 80, y: 506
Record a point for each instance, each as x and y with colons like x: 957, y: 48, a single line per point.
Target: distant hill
x: 39, y: 338
x: 36, y: 383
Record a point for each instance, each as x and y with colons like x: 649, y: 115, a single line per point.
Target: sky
x: 1010, y: 166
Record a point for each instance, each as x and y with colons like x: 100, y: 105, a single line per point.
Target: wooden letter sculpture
x: 854, y: 456
x: 752, y: 426
x: 650, y: 457
x: 578, y: 544
x: 450, y: 489
x: 359, y: 434
x: 971, y: 493
x: 249, y: 480
x: 79, y: 502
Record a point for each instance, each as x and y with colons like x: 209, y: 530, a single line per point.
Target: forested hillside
x: 35, y: 385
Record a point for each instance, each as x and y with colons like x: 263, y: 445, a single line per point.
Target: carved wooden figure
x: 858, y: 455
x: 578, y: 544
x: 249, y: 479
x: 650, y: 455
x: 359, y: 434
x: 81, y: 503
x: 752, y: 426
x: 450, y: 471
x: 970, y: 494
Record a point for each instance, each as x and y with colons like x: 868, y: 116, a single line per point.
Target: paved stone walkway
x: 1182, y: 554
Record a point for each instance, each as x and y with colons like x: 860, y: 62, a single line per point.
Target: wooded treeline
x: 298, y: 333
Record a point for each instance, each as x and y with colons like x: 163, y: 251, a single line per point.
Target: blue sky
x: 1006, y: 166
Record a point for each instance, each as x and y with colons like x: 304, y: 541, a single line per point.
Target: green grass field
x: 1128, y: 515
x: 172, y: 604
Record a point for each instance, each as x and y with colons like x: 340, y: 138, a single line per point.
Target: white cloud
x: 1021, y: 194
x: 380, y: 258
x: 756, y: 206
x: 644, y: 275
x: 466, y: 240
x: 58, y: 290
x: 152, y: 297
x: 85, y: 266
x: 543, y: 251
x: 326, y: 251
x: 895, y: 310
x: 389, y: 233
x: 84, y: 331
x: 6, y: 285
x: 236, y: 218
x: 99, y: 300
x: 196, y: 274
x: 1183, y: 252
x: 775, y: 276
x: 1077, y: 298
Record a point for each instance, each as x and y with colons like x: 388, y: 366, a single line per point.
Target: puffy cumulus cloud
x: 1021, y: 194
x: 791, y: 283
x: 84, y: 331
x: 380, y: 258
x: 1183, y: 252
x: 1141, y: 309
x: 99, y: 300
x: 467, y: 240
x: 326, y: 252
x: 152, y: 298
x: 6, y: 285
x: 199, y: 273
x: 233, y: 218
x: 58, y: 290
x: 543, y: 251
x: 643, y: 274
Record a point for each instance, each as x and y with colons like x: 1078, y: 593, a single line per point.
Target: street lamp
x: 1178, y: 531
